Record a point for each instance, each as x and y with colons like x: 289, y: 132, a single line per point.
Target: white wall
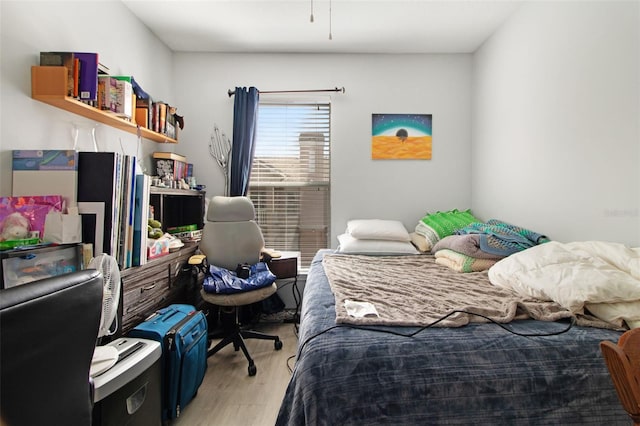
x: 556, y: 133
x: 123, y: 44
x: 361, y: 188
x: 550, y: 103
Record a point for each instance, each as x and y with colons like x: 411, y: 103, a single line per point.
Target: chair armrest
x: 197, y: 259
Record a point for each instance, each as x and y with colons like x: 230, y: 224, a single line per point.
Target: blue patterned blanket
x: 501, y: 238
x: 479, y: 374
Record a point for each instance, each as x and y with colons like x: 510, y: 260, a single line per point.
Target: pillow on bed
x: 351, y: 245
x: 377, y: 229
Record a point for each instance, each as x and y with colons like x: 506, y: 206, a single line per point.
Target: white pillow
x: 351, y: 245
x: 377, y: 229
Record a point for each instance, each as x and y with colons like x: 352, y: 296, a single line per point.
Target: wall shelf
x: 49, y: 85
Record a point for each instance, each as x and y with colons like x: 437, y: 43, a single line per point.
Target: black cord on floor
x: 297, y: 297
x: 288, y: 365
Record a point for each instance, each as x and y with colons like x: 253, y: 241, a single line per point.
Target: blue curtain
x: 245, y: 117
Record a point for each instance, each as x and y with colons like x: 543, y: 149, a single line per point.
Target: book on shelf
x: 88, y: 79
x: 128, y: 206
x: 76, y: 77
x: 130, y: 213
x: 159, y: 114
x: 171, y: 127
x: 123, y: 98
x: 156, y: 116
x: 107, y: 93
x: 122, y: 213
x: 103, y: 69
x: 162, y: 117
x: 141, y: 215
x: 170, y: 130
x: 146, y: 103
x: 169, y: 156
x: 132, y: 200
x: 153, y: 117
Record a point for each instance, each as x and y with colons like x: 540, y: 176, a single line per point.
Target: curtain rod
x: 335, y: 89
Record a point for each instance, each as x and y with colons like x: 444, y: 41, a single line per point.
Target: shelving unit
x: 49, y: 85
x: 178, y: 207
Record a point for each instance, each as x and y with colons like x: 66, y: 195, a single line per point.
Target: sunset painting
x: 401, y: 136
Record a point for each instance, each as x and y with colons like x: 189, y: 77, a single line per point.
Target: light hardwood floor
x: 228, y: 396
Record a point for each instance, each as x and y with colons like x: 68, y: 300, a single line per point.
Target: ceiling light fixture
x: 330, y: 16
x: 330, y: 36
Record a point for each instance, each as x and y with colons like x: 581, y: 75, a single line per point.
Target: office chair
x: 231, y: 237
x: 49, y: 332
x: 623, y: 362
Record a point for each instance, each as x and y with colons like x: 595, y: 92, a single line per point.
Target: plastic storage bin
x: 23, y: 265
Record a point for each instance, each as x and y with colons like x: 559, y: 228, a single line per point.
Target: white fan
x: 105, y: 357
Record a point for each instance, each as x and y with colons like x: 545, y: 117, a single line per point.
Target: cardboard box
x: 45, y: 160
x: 157, y: 248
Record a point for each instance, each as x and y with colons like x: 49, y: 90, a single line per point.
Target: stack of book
x: 114, y: 204
x: 172, y: 166
x: 90, y: 82
x: 82, y: 68
x: 157, y: 116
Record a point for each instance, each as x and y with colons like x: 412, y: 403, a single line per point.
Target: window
x: 289, y: 182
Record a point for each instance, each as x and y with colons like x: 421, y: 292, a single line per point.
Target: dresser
x: 159, y: 283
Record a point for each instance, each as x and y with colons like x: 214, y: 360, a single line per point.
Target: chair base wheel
x: 252, y: 370
x: 277, y: 344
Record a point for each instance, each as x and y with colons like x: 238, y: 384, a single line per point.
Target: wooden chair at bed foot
x: 231, y: 237
x: 623, y: 362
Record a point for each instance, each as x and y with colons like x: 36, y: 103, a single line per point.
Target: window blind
x: 290, y: 176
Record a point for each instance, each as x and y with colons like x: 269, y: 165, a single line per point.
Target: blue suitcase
x: 182, y: 332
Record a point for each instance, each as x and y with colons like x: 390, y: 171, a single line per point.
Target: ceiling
x: 356, y: 26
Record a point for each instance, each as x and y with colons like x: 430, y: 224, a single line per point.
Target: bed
x: 473, y: 373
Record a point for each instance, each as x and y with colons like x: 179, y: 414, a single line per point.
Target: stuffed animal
x: 15, y: 227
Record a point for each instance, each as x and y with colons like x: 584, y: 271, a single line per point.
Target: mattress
x: 480, y: 373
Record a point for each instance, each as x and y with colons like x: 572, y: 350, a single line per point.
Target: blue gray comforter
x: 479, y: 374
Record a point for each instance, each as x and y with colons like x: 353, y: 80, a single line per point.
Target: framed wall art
x: 401, y: 136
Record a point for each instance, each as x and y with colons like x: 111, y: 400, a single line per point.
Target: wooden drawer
x: 155, y: 285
